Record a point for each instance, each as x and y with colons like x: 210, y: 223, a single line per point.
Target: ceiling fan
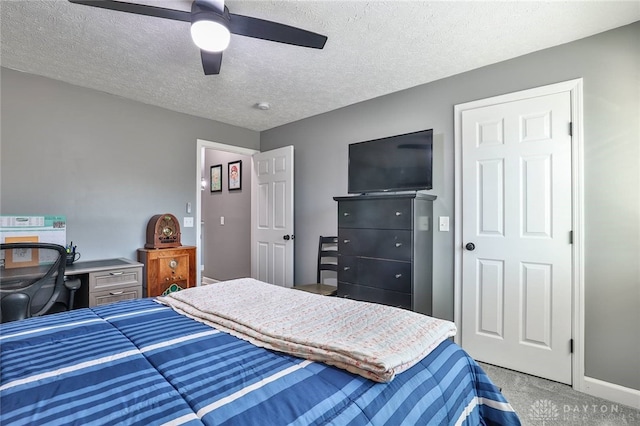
x: 212, y: 26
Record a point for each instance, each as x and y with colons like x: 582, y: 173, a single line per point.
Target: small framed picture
x: 216, y: 178
x: 235, y: 175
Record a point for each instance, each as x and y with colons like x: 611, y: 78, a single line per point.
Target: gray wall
x: 226, y: 248
x: 108, y: 164
x: 610, y: 66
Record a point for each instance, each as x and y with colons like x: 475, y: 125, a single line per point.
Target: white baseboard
x: 612, y: 392
x: 207, y: 280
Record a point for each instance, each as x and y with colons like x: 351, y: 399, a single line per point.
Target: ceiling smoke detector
x: 264, y: 106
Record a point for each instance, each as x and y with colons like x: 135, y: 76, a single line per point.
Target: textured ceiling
x: 373, y: 48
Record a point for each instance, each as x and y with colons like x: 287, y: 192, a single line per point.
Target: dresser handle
x: 345, y: 214
x: 398, y: 244
x: 116, y: 273
x: 115, y: 293
x: 398, y: 275
x: 398, y: 213
x: 346, y: 268
x: 346, y: 241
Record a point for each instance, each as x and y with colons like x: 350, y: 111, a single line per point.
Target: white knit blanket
x: 372, y: 340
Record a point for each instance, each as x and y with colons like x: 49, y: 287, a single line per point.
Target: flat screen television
x: 396, y: 163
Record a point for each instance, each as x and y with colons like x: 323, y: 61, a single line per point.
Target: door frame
x: 575, y: 88
x: 202, y: 144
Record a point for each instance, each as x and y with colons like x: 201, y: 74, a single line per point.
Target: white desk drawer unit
x: 112, y: 286
x: 107, y: 281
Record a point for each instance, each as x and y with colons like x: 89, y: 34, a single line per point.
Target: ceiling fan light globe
x: 210, y: 36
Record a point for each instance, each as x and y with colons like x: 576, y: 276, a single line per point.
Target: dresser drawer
x: 375, y: 213
x: 375, y: 295
x: 382, y: 244
x: 115, y: 278
x: 115, y: 295
x: 348, y: 269
x: 383, y: 274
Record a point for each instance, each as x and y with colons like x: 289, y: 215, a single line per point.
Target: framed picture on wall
x: 216, y: 178
x: 235, y: 175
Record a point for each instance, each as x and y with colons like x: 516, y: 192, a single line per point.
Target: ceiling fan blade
x: 273, y: 31
x: 138, y: 9
x: 211, y: 62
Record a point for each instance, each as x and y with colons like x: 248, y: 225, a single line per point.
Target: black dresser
x: 386, y: 246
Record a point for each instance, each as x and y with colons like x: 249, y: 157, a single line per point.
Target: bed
x: 148, y: 363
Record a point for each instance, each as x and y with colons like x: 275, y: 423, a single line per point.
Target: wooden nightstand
x: 168, y: 269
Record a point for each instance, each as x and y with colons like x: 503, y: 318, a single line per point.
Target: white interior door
x: 516, y: 233
x: 272, y: 217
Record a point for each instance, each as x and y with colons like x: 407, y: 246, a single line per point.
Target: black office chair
x: 31, y: 279
x: 327, y: 261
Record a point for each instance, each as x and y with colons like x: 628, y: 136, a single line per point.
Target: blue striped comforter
x: 138, y: 362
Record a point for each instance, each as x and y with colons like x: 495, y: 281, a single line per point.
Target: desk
x: 106, y: 281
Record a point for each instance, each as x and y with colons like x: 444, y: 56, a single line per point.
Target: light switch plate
x: 443, y: 224
x: 188, y: 222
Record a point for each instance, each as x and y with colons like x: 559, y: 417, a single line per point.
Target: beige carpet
x: 543, y: 402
